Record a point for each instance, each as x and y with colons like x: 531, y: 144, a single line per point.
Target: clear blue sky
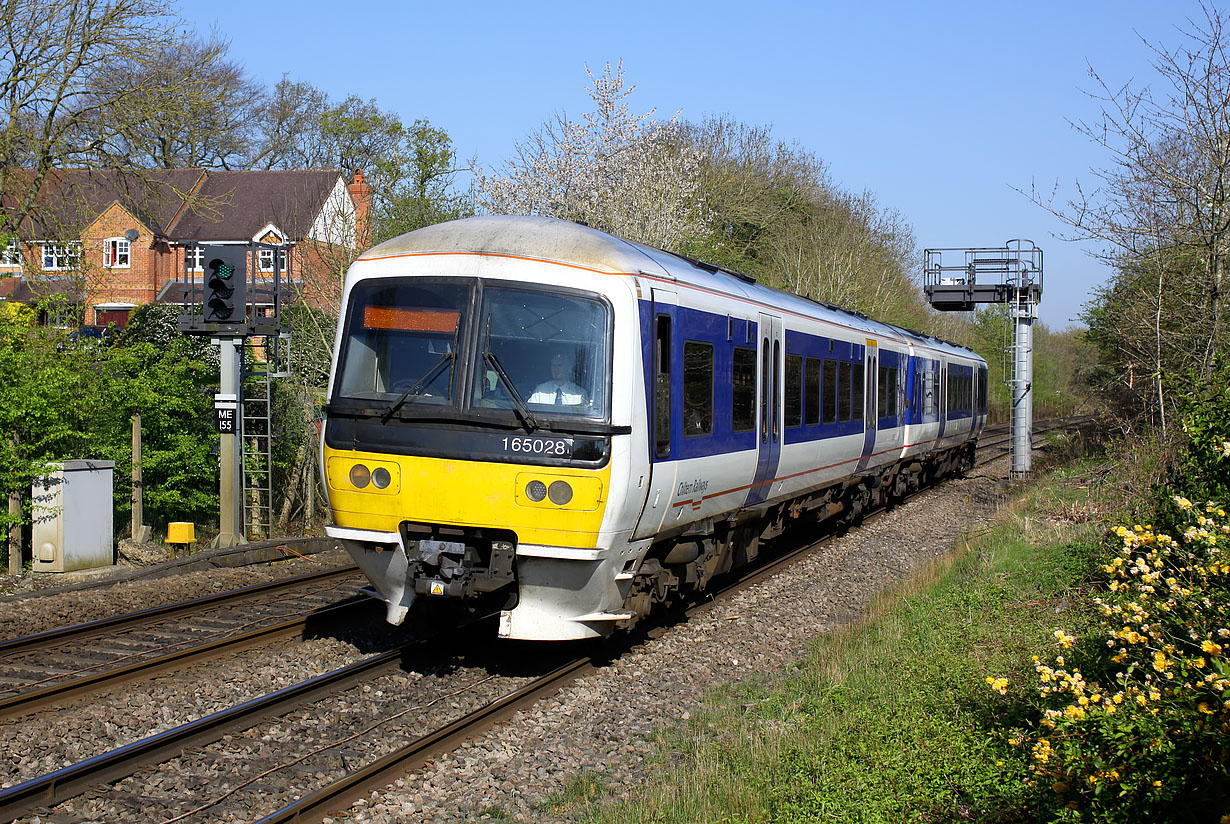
x: 940, y: 109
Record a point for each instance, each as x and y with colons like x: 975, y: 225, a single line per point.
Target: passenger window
x: 794, y: 390
x: 697, y: 389
x: 843, y: 390
x: 830, y: 391
x: 811, y: 392
x: 882, y: 392
x: 888, y: 392
x: 743, y: 399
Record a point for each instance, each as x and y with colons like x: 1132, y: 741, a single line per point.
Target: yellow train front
x: 474, y: 443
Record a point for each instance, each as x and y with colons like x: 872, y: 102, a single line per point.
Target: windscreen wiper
x: 522, y: 410
x: 418, y: 385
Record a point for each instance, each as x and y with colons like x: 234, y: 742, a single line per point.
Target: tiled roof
x: 23, y: 289
x: 70, y: 199
x: 237, y: 205
x: 180, y: 204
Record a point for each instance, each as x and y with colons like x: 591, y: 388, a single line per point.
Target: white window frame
x: 10, y: 255
x: 117, y: 253
x: 191, y: 265
x: 58, y: 257
x: 266, y: 259
x: 63, y: 316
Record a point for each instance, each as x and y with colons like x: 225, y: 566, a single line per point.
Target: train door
x: 943, y: 399
x: 769, y: 414
x: 871, y: 407
x: 661, y: 403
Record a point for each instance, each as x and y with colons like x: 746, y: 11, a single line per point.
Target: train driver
x: 560, y: 390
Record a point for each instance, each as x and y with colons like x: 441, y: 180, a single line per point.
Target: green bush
x: 59, y: 401
x: 1132, y: 720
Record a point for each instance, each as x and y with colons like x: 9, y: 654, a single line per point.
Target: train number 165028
x: 538, y: 446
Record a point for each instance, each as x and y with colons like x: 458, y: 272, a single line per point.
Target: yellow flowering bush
x: 1134, y: 718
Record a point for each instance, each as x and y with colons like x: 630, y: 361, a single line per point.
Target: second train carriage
x: 578, y: 426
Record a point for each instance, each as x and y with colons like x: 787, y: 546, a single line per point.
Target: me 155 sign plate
x: 224, y: 417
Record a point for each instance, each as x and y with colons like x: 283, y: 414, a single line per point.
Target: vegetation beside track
x: 911, y: 715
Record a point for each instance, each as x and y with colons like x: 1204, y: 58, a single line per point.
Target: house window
x: 63, y: 315
x: 10, y: 255
x: 266, y: 260
x: 61, y: 255
x: 117, y: 253
x: 194, y: 259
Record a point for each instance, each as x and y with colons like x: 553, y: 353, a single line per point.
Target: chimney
x: 361, y: 195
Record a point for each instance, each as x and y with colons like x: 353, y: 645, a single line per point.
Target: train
x: 569, y: 428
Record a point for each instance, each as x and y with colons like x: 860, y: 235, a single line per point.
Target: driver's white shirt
x: 549, y: 392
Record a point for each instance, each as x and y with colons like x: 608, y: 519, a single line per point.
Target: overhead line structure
x: 1012, y: 275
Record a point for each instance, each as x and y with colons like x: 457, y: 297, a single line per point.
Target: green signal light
x: 223, y: 269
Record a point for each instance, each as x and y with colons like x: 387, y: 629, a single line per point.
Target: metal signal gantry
x: 1012, y: 275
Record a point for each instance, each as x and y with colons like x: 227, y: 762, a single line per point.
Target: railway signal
x: 225, y: 279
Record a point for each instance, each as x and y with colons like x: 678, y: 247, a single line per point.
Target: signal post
x: 1012, y: 275
x: 224, y: 307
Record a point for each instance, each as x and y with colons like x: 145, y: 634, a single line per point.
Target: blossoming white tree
x: 624, y: 173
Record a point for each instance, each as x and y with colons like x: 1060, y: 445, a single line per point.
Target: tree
x: 424, y: 193
x: 776, y: 215
x: 626, y: 174
x: 198, y: 110
x: 288, y: 123
x: 1162, y: 209
x: 57, y: 57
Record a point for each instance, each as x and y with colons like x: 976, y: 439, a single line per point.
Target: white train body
x: 578, y: 426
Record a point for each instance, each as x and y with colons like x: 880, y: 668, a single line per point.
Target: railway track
x: 53, y: 667
x: 355, y: 783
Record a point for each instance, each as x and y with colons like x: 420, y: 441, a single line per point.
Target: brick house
x: 108, y: 242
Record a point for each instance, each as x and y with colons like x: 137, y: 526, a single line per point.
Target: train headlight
x: 560, y: 493
x: 381, y: 478
x: 361, y: 476
x: 536, y: 491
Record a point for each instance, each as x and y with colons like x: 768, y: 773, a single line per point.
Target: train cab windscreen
x: 410, y: 343
x: 403, y: 340
x: 550, y: 347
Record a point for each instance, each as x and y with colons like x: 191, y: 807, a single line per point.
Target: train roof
x: 561, y: 241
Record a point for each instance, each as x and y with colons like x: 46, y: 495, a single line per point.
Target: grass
x: 892, y: 719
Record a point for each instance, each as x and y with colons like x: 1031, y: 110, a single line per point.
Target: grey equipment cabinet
x: 74, y: 517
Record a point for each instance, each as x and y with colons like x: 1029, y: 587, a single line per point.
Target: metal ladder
x: 256, y: 430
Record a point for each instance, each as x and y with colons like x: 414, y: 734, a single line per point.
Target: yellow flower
x: 1211, y: 648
